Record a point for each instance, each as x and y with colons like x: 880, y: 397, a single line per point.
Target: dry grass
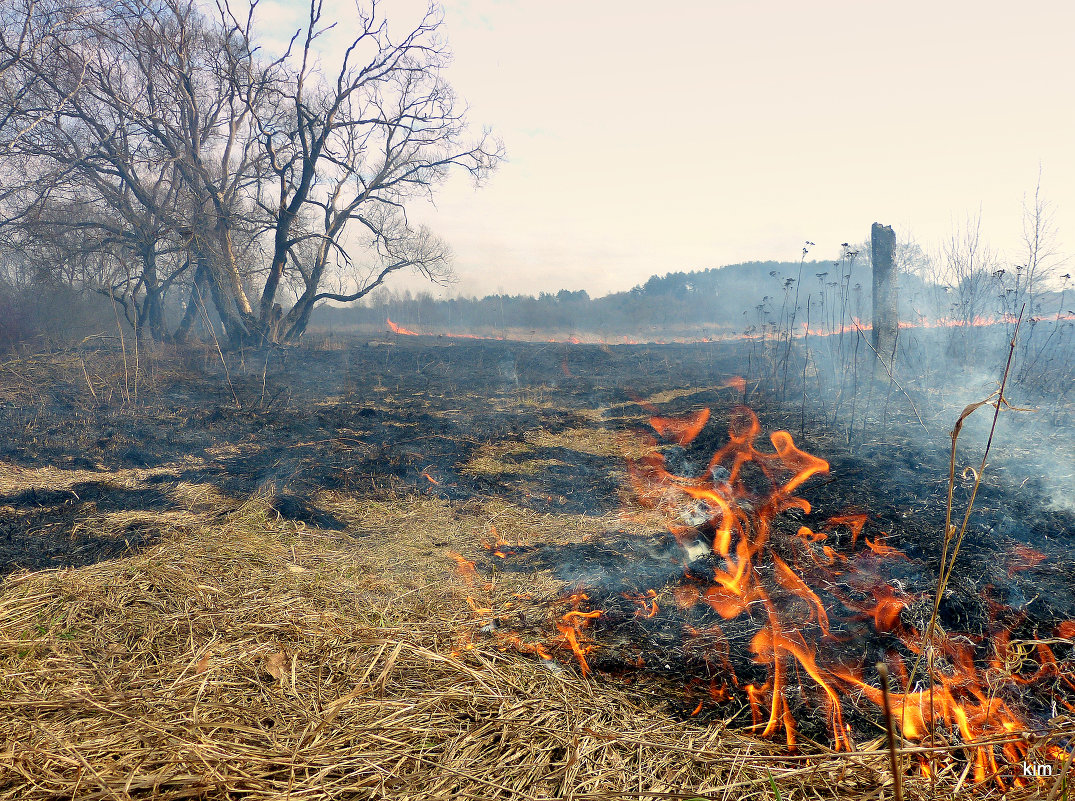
x: 669, y: 395
x: 245, y: 656
x: 511, y: 457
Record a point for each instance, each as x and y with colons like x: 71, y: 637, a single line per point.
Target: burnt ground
x: 540, y: 426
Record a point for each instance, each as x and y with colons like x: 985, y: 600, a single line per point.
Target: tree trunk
x: 279, y: 259
x: 214, y: 254
x: 228, y: 270
x: 196, y: 291
x: 294, y: 325
x: 152, y: 307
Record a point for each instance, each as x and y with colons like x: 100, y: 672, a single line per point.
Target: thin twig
x: 88, y: 382
x: 1061, y: 783
x: 882, y: 671
x: 950, y: 535
x: 212, y: 331
x: 122, y: 346
x: 891, y: 376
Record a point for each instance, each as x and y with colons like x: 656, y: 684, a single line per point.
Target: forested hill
x: 719, y: 300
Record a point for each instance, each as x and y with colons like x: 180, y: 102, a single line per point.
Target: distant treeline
x: 761, y: 297
x: 719, y: 300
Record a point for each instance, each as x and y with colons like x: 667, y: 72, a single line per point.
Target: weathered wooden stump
x: 885, y: 294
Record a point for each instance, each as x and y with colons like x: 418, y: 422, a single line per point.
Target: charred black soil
x: 419, y: 414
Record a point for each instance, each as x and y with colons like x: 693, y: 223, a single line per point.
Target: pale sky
x: 644, y: 139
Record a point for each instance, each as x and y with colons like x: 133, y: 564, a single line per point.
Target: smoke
x: 802, y: 332
x: 914, y: 399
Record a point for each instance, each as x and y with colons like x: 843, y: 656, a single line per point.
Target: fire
x: 571, y: 626
x: 682, y: 430
x: 804, y: 599
x: 854, y: 326
x: 465, y: 567
x: 514, y: 641
x: 855, y: 522
x: 499, y: 546
x: 878, y: 546
x: 1024, y: 558
x: 761, y: 572
x: 731, y: 510
x: 647, y: 603
x: 398, y: 329
x: 478, y: 610
x: 960, y: 702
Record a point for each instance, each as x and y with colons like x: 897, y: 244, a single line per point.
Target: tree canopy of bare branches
x: 153, y: 150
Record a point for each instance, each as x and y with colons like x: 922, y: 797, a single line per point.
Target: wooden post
x: 885, y: 296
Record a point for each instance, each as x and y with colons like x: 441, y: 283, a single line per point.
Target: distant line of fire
x: 856, y: 325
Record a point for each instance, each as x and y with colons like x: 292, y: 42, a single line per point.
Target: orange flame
x: 398, y: 329
x: 647, y: 603
x: 855, y: 522
x: 465, y: 567
x: 500, y: 548
x: 736, y: 519
x: 737, y: 383
x: 682, y: 430
x: 571, y: 626
x: 878, y: 546
x: 514, y: 641
x: 1024, y: 558
x: 854, y: 326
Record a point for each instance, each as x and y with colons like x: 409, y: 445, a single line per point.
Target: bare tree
x: 1041, y: 257
x: 970, y: 265
x: 154, y: 134
x: 97, y: 174
x: 350, y: 151
x: 195, y: 109
x: 32, y: 32
x: 1024, y: 285
x: 184, y: 157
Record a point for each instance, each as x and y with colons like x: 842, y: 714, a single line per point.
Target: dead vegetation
x: 241, y: 650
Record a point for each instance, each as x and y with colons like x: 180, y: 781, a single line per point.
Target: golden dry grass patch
x: 511, y: 456
x: 669, y: 395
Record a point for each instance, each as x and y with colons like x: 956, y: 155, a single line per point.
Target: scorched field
x: 431, y: 568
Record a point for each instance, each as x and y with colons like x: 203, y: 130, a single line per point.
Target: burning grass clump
x: 753, y: 609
